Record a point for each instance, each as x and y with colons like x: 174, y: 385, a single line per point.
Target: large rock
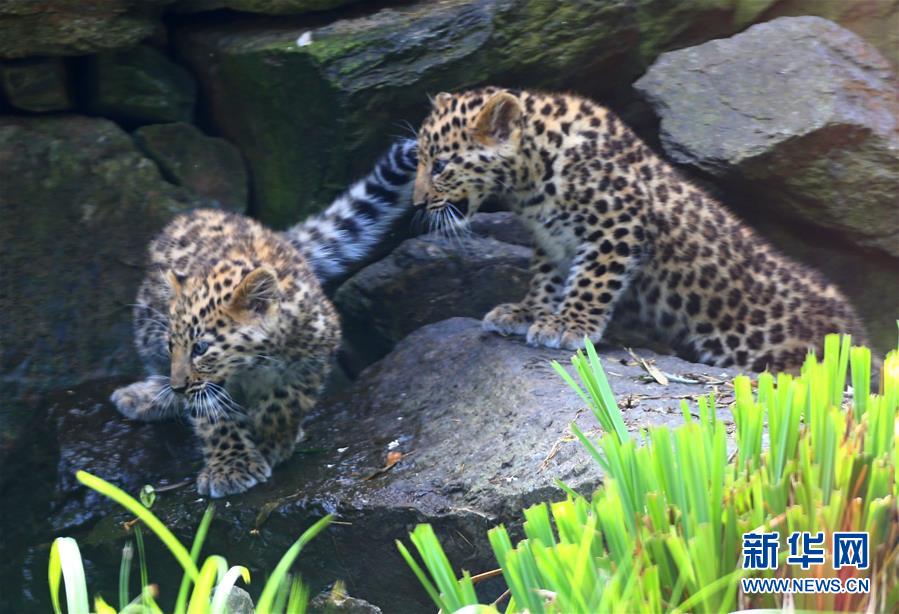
x: 267, y: 7
x: 139, y: 85
x: 876, y: 21
x: 74, y: 27
x: 36, y: 85
x: 801, y: 110
x: 311, y: 106
x: 78, y: 204
x: 427, y: 279
x: 503, y: 226
x: 481, y: 421
x: 211, y: 167
x: 89, y: 437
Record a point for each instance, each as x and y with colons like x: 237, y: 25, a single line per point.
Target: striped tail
x: 355, y: 223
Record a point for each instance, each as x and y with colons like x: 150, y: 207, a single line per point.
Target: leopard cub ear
x: 255, y: 295
x: 441, y: 100
x: 497, y: 120
x: 175, y: 281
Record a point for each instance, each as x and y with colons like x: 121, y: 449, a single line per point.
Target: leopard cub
x: 620, y: 232
x: 235, y: 330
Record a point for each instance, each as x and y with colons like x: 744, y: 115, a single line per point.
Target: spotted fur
x: 233, y: 325
x: 619, y: 231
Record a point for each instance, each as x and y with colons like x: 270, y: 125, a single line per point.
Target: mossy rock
x: 311, y: 107
x: 139, y: 85
x: 74, y: 27
x: 208, y: 166
x: 265, y: 7
x: 36, y: 85
x: 79, y: 205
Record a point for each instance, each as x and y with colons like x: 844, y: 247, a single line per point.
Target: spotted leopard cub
x: 619, y: 230
x: 233, y: 325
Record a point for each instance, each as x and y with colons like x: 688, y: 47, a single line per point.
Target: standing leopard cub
x: 235, y: 330
x: 618, y: 230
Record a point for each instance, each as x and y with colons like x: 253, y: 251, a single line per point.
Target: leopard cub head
x: 220, y: 325
x: 469, y: 150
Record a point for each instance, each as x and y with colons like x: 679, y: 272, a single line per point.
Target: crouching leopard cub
x: 232, y: 323
x: 618, y: 230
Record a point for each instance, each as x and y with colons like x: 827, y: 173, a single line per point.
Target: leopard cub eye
x: 437, y: 166
x: 199, y: 348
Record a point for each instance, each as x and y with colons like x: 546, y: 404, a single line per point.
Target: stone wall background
x: 116, y: 114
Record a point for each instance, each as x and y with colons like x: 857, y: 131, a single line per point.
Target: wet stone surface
x: 481, y: 422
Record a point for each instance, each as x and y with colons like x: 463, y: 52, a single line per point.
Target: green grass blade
x: 142, y: 559
x: 429, y: 587
x: 148, y: 518
x: 213, y: 569
x: 223, y: 588
x: 283, y: 593
x: 101, y: 607
x: 65, y: 561
x: 454, y: 591
x: 54, y: 575
x: 125, y: 574
x: 605, y: 395
x: 196, y: 547
x: 267, y: 598
x: 298, y: 599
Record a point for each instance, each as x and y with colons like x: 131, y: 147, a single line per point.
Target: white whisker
x: 225, y: 401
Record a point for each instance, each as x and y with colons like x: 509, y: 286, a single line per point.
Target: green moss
x: 139, y: 84
x: 310, y: 119
x: 65, y: 315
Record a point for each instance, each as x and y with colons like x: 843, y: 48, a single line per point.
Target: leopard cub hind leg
x: 276, y: 421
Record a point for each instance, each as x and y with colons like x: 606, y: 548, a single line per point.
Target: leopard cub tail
x: 355, y: 223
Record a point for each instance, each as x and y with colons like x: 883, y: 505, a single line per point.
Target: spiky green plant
x: 212, y: 581
x: 664, y: 531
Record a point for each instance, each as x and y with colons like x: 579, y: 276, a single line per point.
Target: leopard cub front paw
x: 554, y: 332
x: 233, y: 474
x: 508, y: 319
x: 145, y: 400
